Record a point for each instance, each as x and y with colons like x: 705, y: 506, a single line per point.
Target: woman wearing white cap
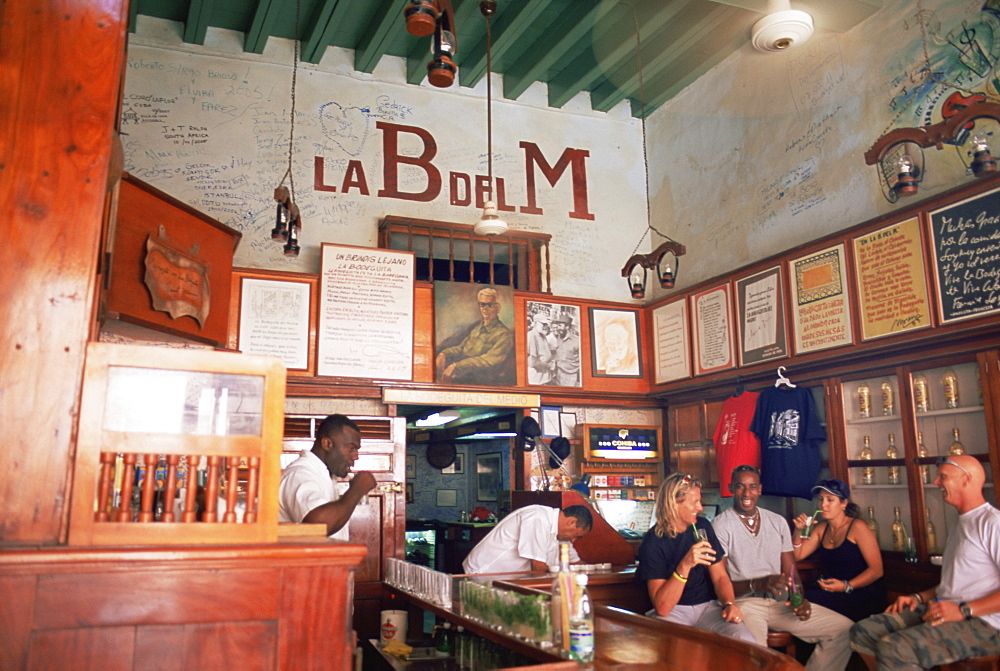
x: 850, y: 563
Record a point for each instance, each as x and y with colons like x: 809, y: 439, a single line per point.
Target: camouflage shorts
x: 904, y: 641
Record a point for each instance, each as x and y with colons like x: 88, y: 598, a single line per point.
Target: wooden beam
x: 386, y: 26
x: 320, y: 35
x: 196, y: 26
x: 261, y: 26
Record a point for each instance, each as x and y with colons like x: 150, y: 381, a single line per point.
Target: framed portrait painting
x: 474, y: 339
x: 615, y: 351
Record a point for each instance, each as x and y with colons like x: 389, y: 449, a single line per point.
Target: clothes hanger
x: 740, y: 387
x: 782, y: 380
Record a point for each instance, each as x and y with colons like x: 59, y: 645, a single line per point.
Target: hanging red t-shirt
x: 735, y: 443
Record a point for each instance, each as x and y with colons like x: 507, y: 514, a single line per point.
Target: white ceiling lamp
x: 490, y: 223
x: 781, y: 28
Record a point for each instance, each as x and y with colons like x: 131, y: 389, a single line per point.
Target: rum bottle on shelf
x: 931, y: 534
x: 956, y: 446
x: 950, y: 382
x: 872, y: 524
x: 868, y: 472
x: 898, y: 531
x: 925, y: 469
x: 888, y: 398
x: 893, y: 453
x: 864, y: 400
x: 920, y: 398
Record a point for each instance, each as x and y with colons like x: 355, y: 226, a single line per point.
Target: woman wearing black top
x: 850, y: 563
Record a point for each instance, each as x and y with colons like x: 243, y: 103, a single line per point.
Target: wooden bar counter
x: 623, y: 638
x: 255, y: 606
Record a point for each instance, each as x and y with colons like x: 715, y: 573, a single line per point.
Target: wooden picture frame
x: 672, y: 349
x: 276, y: 318
x: 711, y: 314
x: 489, y: 475
x: 615, y: 350
x: 760, y: 317
x: 457, y: 467
x: 891, y: 280
x: 821, y: 307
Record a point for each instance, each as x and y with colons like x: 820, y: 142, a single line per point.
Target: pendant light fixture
x: 490, y: 223
x: 665, y: 259
x: 287, y: 223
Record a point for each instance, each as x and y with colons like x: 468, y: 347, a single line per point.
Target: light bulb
x: 904, y: 165
x: 637, y: 281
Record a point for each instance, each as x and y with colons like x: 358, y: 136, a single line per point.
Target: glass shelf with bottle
x: 872, y: 400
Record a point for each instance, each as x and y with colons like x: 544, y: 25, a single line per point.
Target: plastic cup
x: 810, y: 523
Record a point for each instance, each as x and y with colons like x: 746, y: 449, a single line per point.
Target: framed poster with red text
x: 892, y: 282
x: 821, y: 310
x: 713, y: 330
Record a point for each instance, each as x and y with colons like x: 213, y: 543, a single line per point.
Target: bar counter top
x: 623, y: 638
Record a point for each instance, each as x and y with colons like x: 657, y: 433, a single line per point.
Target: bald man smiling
x: 960, y: 618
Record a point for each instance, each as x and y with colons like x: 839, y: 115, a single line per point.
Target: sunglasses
x: 486, y: 305
x: 945, y: 460
x: 746, y: 468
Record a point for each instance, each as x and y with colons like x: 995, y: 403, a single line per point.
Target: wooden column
x: 61, y: 64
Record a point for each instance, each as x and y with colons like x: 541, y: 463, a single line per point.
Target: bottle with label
x: 868, y: 472
x: 921, y: 400
x: 581, y: 623
x: 950, y: 382
x: 864, y: 400
x: 872, y: 524
x: 888, y: 398
x: 444, y: 645
x: 956, y: 446
x: 562, y: 598
x: 898, y: 531
x: 931, y: 534
x: 925, y: 469
x: 892, y: 453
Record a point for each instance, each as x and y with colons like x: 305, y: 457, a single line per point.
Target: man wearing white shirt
x: 308, y: 493
x: 960, y: 618
x: 528, y: 540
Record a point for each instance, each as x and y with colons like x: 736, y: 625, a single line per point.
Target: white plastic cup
x: 392, y: 627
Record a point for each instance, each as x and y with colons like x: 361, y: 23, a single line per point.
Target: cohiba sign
x: 462, y: 188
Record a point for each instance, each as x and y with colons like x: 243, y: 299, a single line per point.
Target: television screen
x: 621, y: 443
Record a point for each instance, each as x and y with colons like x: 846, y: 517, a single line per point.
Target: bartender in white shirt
x: 528, y: 540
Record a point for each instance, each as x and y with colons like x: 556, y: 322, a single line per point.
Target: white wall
x: 765, y: 152
x: 210, y: 126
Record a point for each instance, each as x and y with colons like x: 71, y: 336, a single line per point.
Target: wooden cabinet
x: 918, y: 413
x: 690, y: 428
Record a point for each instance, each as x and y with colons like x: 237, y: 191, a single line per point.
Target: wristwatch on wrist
x: 848, y: 587
x: 966, y: 610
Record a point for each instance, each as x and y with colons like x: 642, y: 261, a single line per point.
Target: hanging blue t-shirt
x: 790, y: 432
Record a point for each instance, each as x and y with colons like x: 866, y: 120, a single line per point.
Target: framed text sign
x: 274, y: 319
x: 966, y: 257
x: 821, y: 311
x: 366, y: 313
x: 670, y: 331
x: 713, y: 330
x: 761, y: 317
x: 892, y: 284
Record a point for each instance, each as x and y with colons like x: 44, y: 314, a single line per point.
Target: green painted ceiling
x: 572, y: 45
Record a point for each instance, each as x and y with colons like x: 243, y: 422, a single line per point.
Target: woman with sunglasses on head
x: 850, y: 563
x: 683, y: 564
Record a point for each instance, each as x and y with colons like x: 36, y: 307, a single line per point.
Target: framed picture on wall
x: 409, y: 492
x: 488, y: 476
x: 713, y: 330
x: 615, y: 351
x: 821, y: 310
x: 457, y: 467
x: 670, y: 331
x: 553, y: 344
x: 760, y: 317
x: 411, y: 466
x: 274, y: 318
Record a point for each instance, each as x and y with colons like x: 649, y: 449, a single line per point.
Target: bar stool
x: 782, y: 641
x: 988, y: 663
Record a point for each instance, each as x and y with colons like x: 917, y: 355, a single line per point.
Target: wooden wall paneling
x: 989, y: 380
x: 53, y: 178
x: 713, y: 410
x: 833, y: 392
x: 160, y: 648
x: 311, y: 635
x: 423, y: 332
x: 100, y: 649
x: 156, y: 597
x: 247, y: 646
x: 17, y: 609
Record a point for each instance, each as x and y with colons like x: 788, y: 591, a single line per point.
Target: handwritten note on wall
x: 366, y: 313
x: 892, y: 284
x: 966, y: 257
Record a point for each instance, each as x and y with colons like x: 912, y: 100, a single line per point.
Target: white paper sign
x: 366, y: 313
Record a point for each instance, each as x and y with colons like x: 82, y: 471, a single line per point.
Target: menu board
x: 820, y: 309
x: 366, y: 313
x: 713, y: 330
x: 966, y: 257
x: 671, y: 335
x: 892, y: 284
x: 761, y: 317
